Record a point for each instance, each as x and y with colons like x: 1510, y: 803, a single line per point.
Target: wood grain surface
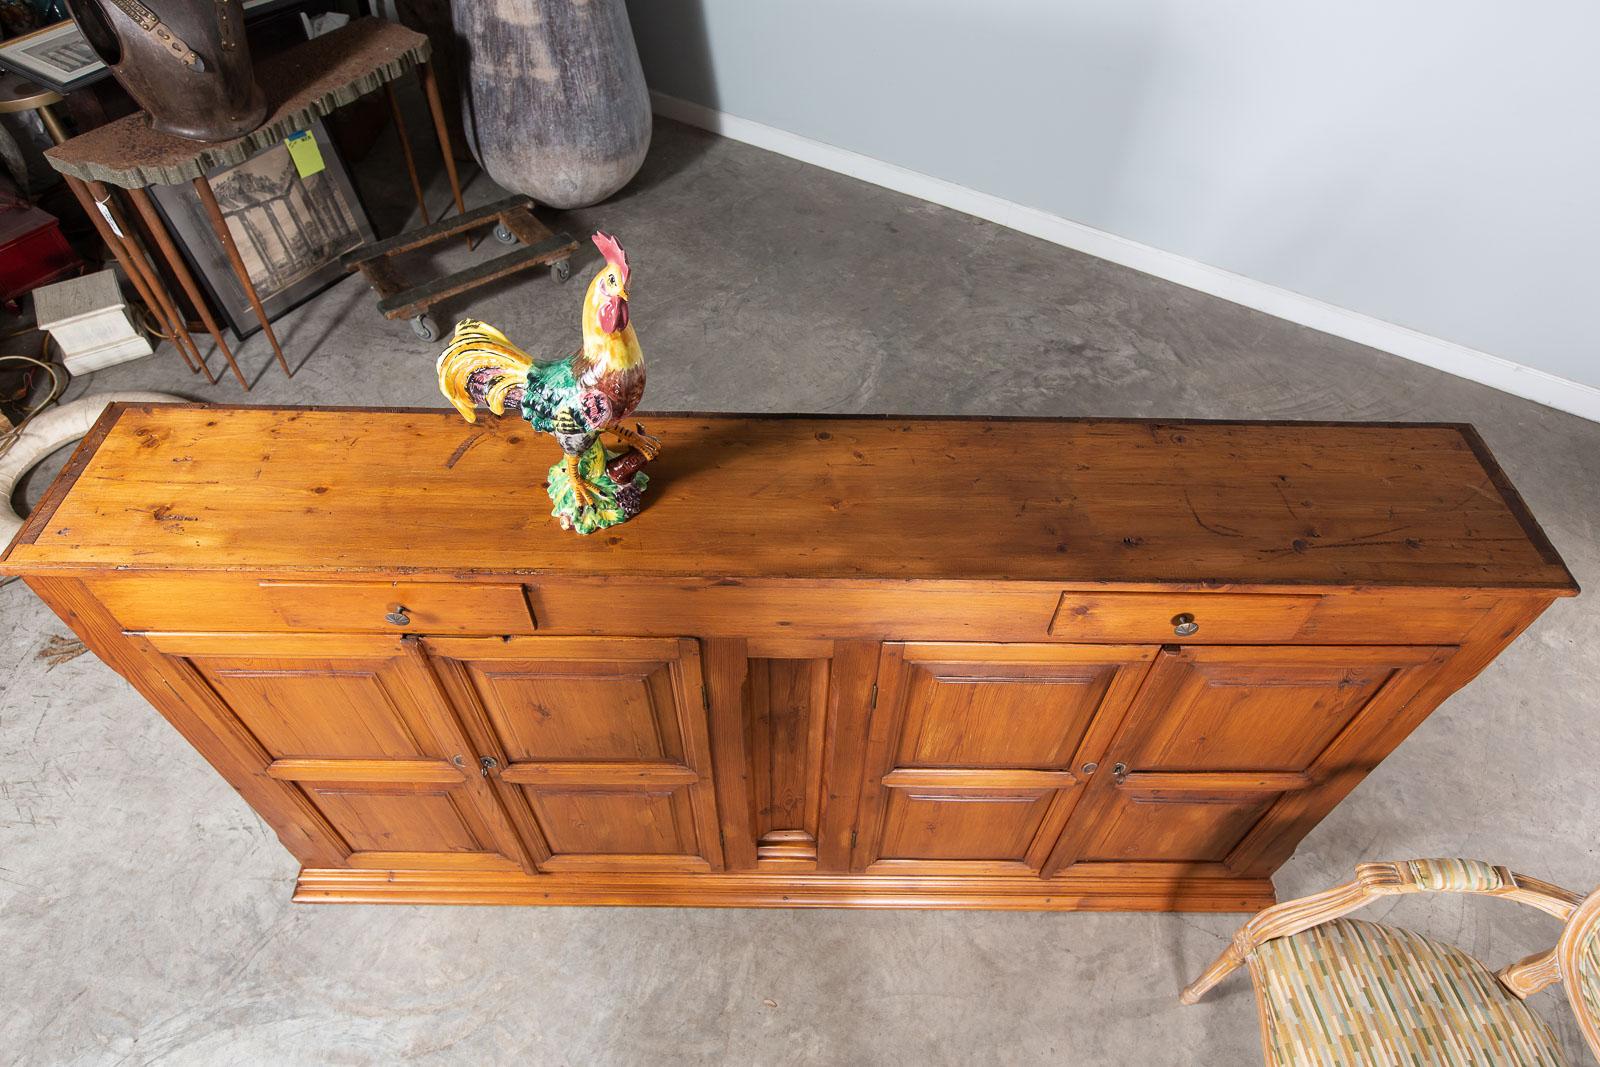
x: 1292, y: 504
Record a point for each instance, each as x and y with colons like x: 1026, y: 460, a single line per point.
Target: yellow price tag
x: 305, y: 153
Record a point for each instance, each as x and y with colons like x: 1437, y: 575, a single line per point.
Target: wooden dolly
x: 513, y: 222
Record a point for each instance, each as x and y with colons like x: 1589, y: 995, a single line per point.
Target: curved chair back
x: 1578, y: 955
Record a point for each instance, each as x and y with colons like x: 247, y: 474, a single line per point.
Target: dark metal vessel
x: 186, y: 62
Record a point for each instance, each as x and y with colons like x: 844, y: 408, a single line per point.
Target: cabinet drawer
x: 406, y: 607
x: 239, y: 605
x: 1175, y: 618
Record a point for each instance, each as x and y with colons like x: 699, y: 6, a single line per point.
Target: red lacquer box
x: 32, y: 251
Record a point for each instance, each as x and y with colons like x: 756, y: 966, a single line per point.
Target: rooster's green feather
x: 551, y: 400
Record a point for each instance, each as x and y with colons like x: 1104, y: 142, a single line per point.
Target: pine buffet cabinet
x: 856, y: 662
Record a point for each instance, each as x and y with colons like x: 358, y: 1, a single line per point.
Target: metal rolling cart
x: 514, y: 223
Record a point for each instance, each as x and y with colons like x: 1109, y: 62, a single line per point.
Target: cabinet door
x: 599, y: 746
x: 1227, y: 750
x: 355, y: 729
x: 975, y: 752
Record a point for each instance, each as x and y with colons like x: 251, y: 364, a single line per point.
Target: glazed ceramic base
x: 617, y: 501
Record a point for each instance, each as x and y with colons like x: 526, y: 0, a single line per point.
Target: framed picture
x: 290, y: 230
x: 57, y: 57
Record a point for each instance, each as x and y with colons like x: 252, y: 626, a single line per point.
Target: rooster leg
x: 649, y: 446
x: 584, y: 493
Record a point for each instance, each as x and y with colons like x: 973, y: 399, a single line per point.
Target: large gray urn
x: 554, y: 100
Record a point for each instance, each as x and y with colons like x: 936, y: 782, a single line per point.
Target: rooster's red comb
x: 613, y: 252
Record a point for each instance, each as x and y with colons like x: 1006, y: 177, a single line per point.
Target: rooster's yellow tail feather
x: 477, y: 346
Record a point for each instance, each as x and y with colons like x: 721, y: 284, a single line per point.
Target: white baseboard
x: 1469, y: 363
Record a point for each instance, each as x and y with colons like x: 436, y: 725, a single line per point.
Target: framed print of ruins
x: 291, y: 228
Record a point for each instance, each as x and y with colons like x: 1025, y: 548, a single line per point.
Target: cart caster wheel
x: 424, y: 327
x: 504, y: 235
x: 561, y: 270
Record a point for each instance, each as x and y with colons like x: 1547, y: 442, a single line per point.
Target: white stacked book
x: 87, y: 317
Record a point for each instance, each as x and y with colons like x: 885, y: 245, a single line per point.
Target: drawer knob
x: 397, y: 615
x: 1183, y: 625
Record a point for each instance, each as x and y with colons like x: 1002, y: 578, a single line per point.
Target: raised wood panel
x: 602, y: 830
x: 852, y: 688
x: 360, y: 729
x: 582, y: 711
x: 1230, y: 711
x: 978, y: 825
x: 787, y: 718
x: 614, y: 824
x: 1219, y: 738
x: 359, y: 710
x: 1188, y: 826
x: 599, y: 744
x: 976, y: 751
x: 726, y: 662
x: 374, y: 819
x: 981, y: 714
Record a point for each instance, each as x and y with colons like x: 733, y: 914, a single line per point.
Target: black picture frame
x: 57, y: 57
x: 290, y: 231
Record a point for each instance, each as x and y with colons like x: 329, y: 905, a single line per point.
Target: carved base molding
x: 1096, y: 893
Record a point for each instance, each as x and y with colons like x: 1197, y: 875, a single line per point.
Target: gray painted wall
x: 1434, y: 164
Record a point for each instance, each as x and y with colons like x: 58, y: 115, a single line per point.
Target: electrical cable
x: 58, y: 384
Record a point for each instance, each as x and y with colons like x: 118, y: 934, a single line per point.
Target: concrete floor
x: 144, y: 910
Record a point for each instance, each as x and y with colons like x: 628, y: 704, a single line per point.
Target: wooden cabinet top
x: 317, y: 490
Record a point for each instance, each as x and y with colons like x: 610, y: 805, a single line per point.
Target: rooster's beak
x: 622, y: 294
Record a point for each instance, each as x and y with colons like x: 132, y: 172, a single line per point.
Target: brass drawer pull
x: 1184, y: 625
x: 397, y: 615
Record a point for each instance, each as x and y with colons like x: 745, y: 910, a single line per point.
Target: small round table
x: 19, y: 94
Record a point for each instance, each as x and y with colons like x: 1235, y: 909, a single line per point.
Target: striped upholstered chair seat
x: 1350, y: 992
x: 1337, y: 992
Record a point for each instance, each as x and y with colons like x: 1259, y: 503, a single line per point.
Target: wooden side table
x: 303, y: 83
x: 19, y: 94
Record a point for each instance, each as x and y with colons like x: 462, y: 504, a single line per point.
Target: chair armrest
x: 1393, y: 878
x: 1530, y: 974
x: 1292, y: 916
x: 1548, y: 897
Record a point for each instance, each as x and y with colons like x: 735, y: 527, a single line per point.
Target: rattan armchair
x: 1336, y: 991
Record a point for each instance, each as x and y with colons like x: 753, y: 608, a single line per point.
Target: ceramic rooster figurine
x: 575, y: 399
